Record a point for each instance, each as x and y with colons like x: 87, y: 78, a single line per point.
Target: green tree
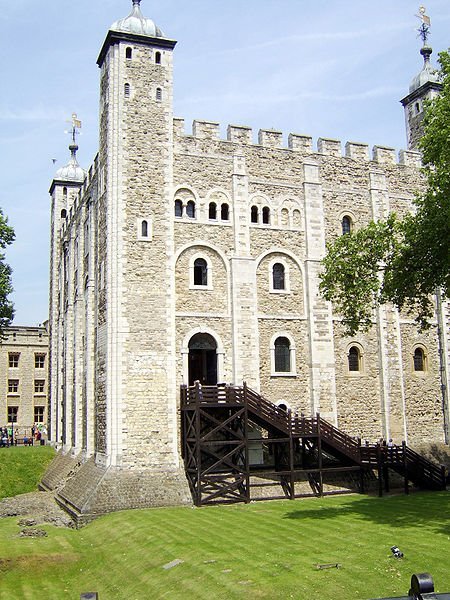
x: 400, y: 261
x: 6, y: 307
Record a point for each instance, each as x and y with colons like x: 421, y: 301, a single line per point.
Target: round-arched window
x: 282, y: 355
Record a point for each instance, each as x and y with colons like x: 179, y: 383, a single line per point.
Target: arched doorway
x: 203, y: 359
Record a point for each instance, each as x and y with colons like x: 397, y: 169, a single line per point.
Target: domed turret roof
x: 136, y: 23
x: 427, y: 75
x: 72, y: 172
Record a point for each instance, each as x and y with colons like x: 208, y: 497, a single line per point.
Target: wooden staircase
x: 294, y: 451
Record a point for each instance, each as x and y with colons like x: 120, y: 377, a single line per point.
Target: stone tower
x: 424, y: 86
x: 121, y: 378
x: 64, y: 191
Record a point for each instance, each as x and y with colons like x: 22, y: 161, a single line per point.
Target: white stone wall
x: 124, y: 312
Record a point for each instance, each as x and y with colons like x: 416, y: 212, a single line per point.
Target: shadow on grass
x: 421, y: 509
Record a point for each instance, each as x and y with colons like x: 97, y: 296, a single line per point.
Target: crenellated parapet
x: 301, y: 143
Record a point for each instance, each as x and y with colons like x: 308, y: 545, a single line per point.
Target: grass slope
x: 22, y: 467
x: 266, y: 550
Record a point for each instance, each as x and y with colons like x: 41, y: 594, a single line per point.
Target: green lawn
x: 22, y: 467
x: 266, y: 550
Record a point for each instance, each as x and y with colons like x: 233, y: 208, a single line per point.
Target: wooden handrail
x: 400, y: 458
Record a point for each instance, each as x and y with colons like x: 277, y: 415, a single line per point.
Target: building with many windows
x: 24, y: 377
x: 183, y: 256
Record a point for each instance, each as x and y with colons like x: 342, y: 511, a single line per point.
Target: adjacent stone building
x: 182, y: 256
x: 24, y: 377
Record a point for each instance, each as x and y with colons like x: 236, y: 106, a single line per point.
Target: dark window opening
x: 224, y: 212
x: 63, y: 213
x: 190, y: 209
x: 282, y: 355
x: 212, y: 210
x: 13, y: 386
x: 254, y: 214
x: 158, y: 58
x: 419, y: 360
x: 346, y: 225
x: 127, y: 90
x: 354, y: 359
x: 39, y: 386
x: 12, y: 414
x: 129, y: 53
x: 39, y: 361
x: 13, y: 360
x: 39, y: 414
x: 144, y: 229
x: 178, y: 208
x: 278, y: 276
x: 200, y: 272
x: 203, y: 359
x: 158, y: 94
x: 266, y: 215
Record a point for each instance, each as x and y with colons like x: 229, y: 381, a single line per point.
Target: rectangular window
x: 13, y: 386
x: 39, y: 385
x: 13, y: 359
x: 39, y: 414
x: 39, y: 361
x: 12, y: 414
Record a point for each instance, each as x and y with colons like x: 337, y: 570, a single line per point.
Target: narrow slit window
x: 158, y: 94
x: 278, y: 276
x: 158, y: 58
x: 200, y: 272
x: 266, y: 215
x: 144, y: 229
x: 282, y: 355
x: 354, y: 359
x: 129, y: 53
x: 178, y: 208
x: 212, y: 210
x: 190, y: 209
x: 419, y: 360
x: 224, y: 212
x: 346, y: 225
x: 254, y: 214
x: 127, y: 90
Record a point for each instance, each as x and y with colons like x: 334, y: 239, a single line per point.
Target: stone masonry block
x: 383, y: 154
x: 410, y: 158
x: 270, y: 138
x: 357, y: 151
x: 239, y: 134
x: 178, y: 126
x: 206, y: 130
x: 329, y: 147
x: 300, y: 143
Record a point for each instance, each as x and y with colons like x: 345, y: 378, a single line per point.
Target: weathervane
x: 424, y: 29
x: 76, y: 126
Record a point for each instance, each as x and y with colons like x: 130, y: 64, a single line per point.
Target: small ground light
x: 397, y: 552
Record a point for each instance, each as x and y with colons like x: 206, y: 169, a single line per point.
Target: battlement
x: 273, y: 139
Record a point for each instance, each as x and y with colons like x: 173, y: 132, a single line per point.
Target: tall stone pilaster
x: 321, y: 346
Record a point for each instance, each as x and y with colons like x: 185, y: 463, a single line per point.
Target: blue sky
x: 334, y: 68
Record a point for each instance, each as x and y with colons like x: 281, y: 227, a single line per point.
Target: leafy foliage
x: 7, y: 236
x: 400, y: 261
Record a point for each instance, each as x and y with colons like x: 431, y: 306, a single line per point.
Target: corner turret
x: 424, y: 86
